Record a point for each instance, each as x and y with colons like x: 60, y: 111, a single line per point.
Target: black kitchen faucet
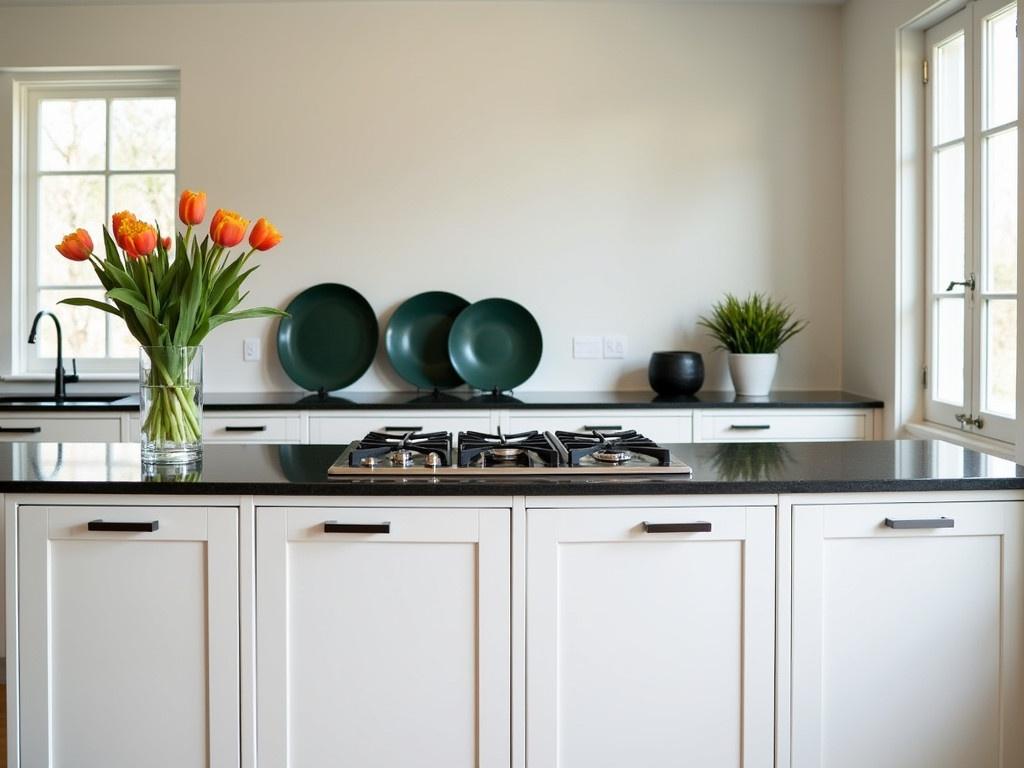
x: 60, y: 379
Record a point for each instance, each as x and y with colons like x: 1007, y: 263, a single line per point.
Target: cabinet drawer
x: 29, y: 428
x: 252, y: 429
x: 752, y: 426
x: 344, y: 429
x: 662, y: 428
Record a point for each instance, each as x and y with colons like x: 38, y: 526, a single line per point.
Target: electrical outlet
x: 615, y: 347
x: 251, y: 350
x: 586, y: 347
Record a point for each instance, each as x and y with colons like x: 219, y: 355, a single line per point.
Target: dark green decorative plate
x: 416, y: 339
x: 330, y: 338
x: 495, y: 345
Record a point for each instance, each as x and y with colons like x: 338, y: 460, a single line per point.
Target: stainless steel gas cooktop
x: 531, y: 453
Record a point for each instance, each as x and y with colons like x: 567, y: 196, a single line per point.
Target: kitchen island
x: 826, y: 604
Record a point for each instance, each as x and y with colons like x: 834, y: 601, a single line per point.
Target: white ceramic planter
x: 752, y: 375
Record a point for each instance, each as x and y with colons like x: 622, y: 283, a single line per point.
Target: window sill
x: 82, y: 377
x: 964, y: 439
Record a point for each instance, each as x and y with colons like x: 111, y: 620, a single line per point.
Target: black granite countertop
x: 458, y: 400
x: 902, y: 465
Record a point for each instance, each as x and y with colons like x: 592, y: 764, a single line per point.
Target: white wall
x: 613, y: 166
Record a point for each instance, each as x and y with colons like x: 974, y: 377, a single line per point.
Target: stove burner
x: 369, y: 461
x: 433, y: 460
x: 525, y: 449
x: 612, y: 456
x: 401, y: 457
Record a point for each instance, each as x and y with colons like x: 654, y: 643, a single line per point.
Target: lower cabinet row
x: 388, y: 637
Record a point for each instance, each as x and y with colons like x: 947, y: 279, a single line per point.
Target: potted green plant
x: 751, y: 330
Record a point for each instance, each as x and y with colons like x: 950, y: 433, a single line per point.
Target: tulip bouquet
x: 170, y: 305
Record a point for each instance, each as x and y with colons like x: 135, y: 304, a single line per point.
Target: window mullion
x: 974, y: 352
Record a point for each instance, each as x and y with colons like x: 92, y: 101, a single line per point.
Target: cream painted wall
x: 613, y: 166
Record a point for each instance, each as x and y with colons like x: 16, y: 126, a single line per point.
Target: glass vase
x: 171, y: 401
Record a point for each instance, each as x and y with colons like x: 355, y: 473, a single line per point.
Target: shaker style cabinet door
x: 907, y: 635
x: 384, y: 637
x: 128, y: 635
x: 650, y: 637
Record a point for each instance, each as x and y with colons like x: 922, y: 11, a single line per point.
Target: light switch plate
x: 251, y: 350
x: 586, y: 347
x: 615, y: 347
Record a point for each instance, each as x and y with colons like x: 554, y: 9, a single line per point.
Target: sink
x: 51, y: 401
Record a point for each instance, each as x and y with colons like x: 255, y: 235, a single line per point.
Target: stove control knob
x: 432, y: 460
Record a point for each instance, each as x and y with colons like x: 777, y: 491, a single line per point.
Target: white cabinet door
x: 651, y: 649
x: 662, y: 427
x: 81, y: 427
x: 128, y: 641
x: 907, y: 641
x: 712, y: 425
x: 385, y: 649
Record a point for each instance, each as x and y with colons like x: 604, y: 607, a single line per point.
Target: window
x: 972, y: 219
x: 89, y: 147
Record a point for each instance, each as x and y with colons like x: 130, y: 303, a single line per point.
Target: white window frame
x: 971, y: 21
x: 29, y: 90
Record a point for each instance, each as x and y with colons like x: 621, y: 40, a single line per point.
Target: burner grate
x: 523, y: 449
x: 580, y: 445
x: 377, y: 445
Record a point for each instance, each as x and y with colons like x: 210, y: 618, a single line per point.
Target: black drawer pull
x: 603, y: 428
x: 21, y: 430
x: 403, y: 429
x: 751, y: 426
x: 940, y: 522
x: 126, y: 527
x: 334, y: 527
x: 698, y: 527
x: 260, y: 428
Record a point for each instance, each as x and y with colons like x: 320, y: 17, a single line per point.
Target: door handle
x: 938, y: 522
x: 602, y: 427
x: 332, y: 526
x: 21, y: 430
x: 403, y: 429
x: 124, y: 527
x: 254, y: 428
x: 750, y: 426
x: 697, y: 527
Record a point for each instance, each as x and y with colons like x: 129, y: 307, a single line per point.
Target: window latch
x: 969, y: 283
x: 969, y: 420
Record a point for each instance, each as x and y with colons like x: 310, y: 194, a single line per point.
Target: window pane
x: 948, y: 339
x: 1000, y: 218
x: 148, y: 196
x: 82, y: 327
x: 72, y: 134
x: 1001, y: 72
x: 142, y: 134
x: 122, y: 343
x: 949, y: 90
x: 1001, y: 358
x: 65, y: 204
x: 948, y: 229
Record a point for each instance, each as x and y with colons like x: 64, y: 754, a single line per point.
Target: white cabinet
x: 651, y: 649
x: 907, y: 640
x: 670, y: 426
x: 384, y: 637
x: 128, y: 640
x: 735, y: 425
x: 25, y: 426
x: 353, y: 426
x: 254, y: 427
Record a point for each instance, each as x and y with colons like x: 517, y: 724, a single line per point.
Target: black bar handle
x: 21, y: 430
x: 126, y: 527
x: 254, y: 428
x: 750, y: 426
x: 939, y: 522
x: 332, y: 526
x: 698, y: 527
x: 603, y: 428
x: 403, y: 429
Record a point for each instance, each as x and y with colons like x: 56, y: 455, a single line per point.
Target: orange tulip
x: 120, y: 219
x: 167, y: 243
x: 137, y: 238
x: 192, y: 207
x: 264, y: 235
x: 77, y: 246
x: 227, y: 228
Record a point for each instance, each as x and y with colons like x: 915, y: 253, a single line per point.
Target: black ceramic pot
x: 676, y: 373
